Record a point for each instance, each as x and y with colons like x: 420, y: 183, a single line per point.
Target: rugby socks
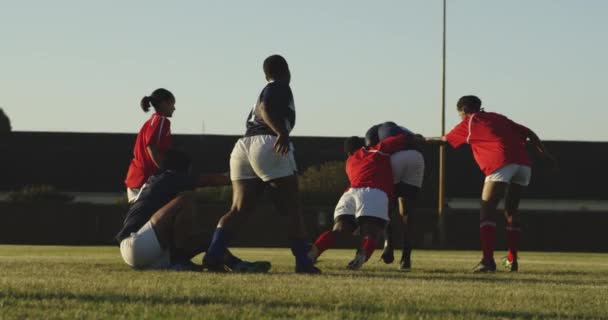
x: 513, y: 236
x: 487, y: 231
x: 369, y: 245
x: 299, y: 249
x: 325, y: 241
x: 219, y: 243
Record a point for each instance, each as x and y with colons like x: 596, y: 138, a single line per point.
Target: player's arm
x: 213, y: 179
x: 436, y: 140
x: 271, y: 108
x: 540, y: 147
x: 393, y: 144
x: 161, y: 131
x: 155, y: 155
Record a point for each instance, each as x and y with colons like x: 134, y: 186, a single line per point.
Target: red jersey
x: 371, y: 167
x: 495, y: 140
x: 156, y: 131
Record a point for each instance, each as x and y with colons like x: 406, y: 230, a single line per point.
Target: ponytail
x: 145, y: 103
x: 159, y: 95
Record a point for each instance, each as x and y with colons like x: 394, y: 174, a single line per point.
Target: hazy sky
x: 84, y: 65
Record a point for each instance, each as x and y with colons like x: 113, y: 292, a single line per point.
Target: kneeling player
x: 408, y: 174
x: 365, y: 204
x: 163, y: 229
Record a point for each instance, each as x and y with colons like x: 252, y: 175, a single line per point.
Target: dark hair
x: 159, y: 95
x: 371, y: 136
x: 469, y: 104
x: 353, y: 144
x: 276, y: 67
x: 176, y: 160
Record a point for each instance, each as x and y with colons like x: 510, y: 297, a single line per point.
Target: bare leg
x: 343, y: 227
x: 406, y: 208
x: 371, y: 229
x: 245, y: 194
x: 512, y: 199
x: 491, y: 195
x: 286, y: 199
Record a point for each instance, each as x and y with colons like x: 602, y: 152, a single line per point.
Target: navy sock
x: 232, y: 261
x: 219, y: 243
x: 299, y: 249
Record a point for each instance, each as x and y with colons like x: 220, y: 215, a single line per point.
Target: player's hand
x: 281, y: 145
x: 551, y: 163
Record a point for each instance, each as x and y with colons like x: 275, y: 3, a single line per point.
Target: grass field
x: 92, y: 282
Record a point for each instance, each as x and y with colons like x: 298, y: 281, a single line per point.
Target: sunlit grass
x: 93, y: 282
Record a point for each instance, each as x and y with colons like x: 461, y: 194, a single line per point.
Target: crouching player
x: 408, y: 174
x: 164, y: 230
x: 365, y: 204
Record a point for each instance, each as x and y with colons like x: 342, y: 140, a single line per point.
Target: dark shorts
x: 355, y: 222
x: 406, y: 191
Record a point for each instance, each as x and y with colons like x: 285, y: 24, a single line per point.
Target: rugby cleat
x: 252, y: 267
x: 485, y: 267
x: 511, y: 266
x: 388, y: 255
x: 358, y: 261
x: 185, y: 266
x: 307, y: 269
x: 405, y: 264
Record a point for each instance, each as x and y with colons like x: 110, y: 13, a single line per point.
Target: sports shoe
x: 309, y: 269
x: 511, y: 266
x: 358, y: 261
x: 185, y: 266
x: 213, y: 264
x: 387, y: 255
x: 405, y: 264
x: 485, y: 267
x: 252, y: 267
x: 313, y: 254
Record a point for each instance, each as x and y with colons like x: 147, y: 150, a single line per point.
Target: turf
x: 92, y: 282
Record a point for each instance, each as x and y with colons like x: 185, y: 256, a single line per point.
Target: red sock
x: 325, y: 241
x: 487, y: 230
x: 513, y: 236
x: 369, y: 245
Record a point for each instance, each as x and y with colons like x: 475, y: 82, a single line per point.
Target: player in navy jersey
x: 264, y: 157
x: 408, y: 174
x: 163, y: 228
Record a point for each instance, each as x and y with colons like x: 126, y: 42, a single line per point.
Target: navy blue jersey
x: 278, y: 99
x: 379, y: 132
x: 157, y: 192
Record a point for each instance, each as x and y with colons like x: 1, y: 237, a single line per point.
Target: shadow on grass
x: 460, y: 276
x: 286, y: 307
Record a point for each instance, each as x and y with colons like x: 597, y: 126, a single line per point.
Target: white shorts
x: 254, y: 157
x: 141, y: 250
x: 363, y: 202
x: 511, y: 173
x: 408, y: 167
x: 132, y: 194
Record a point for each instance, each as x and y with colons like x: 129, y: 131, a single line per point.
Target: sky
x: 83, y: 66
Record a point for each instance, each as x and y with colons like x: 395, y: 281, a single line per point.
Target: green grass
x: 92, y: 282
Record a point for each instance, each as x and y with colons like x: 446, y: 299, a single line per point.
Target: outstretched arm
x: 436, y: 140
x: 539, y: 147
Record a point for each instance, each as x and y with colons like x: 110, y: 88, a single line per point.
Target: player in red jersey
x: 499, y: 148
x: 153, y: 140
x: 365, y: 204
